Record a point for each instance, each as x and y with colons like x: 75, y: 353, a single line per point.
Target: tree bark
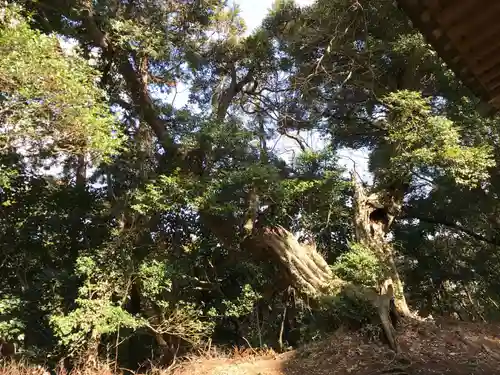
x: 305, y: 268
x: 226, y: 96
x: 309, y: 273
x: 373, y: 218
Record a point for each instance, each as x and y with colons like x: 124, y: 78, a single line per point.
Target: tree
x: 50, y: 103
x: 196, y: 227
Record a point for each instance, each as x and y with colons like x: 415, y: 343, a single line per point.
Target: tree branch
x: 134, y: 81
x: 234, y: 88
x: 458, y: 227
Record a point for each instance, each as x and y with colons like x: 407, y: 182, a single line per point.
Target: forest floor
x: 442, y: 347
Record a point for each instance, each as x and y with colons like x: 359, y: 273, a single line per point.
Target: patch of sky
x: 252, y: 12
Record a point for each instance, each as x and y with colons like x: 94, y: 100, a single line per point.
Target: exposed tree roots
x: 309, y: 273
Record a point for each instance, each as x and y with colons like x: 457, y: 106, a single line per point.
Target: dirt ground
x: 427, y: 348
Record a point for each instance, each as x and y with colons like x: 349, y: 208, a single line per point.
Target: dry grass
x: 15, y: 368
x: 428, y: 348
x: 23, y: 368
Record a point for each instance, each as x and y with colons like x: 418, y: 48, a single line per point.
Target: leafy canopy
x: 50, y: 102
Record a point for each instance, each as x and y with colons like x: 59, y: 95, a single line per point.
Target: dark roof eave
x: 445, y: 49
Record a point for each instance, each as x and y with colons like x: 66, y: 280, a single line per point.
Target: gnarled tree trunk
x: 309, y: 273
x: 306, y: 269
x: 373, y: 217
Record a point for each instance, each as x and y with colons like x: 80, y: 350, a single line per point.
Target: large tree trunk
x: 308, y: 272
x: 304, y: 267
x: 373, y: 217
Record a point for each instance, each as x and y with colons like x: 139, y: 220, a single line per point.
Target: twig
x: 174, y: 360
x: 250, y: 346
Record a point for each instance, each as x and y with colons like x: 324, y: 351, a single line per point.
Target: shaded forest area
x: 136, y: 231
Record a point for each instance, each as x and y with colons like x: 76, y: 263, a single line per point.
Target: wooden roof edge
x: 414, y: 9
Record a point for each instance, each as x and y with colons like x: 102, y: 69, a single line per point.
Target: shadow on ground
x: 427, y: 348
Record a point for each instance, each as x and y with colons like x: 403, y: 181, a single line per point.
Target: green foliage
x: 165, y: 194
x: 179, y: 318
x: 360, y: 266
x: 143, y: 38
x: 156, y: 278
x: 97, y: 313
x: 50, y: 101
x: 6, y: 175
x: 318, y: 196
x: 425, y: 140
x: 11, y: 327
x: 149, y: 247
x: 244, y: 304
x: 414, y: 45
x: 89, y: 322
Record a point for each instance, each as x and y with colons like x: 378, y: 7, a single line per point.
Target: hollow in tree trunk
x: 304, y: 267
x: 373, y: 217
